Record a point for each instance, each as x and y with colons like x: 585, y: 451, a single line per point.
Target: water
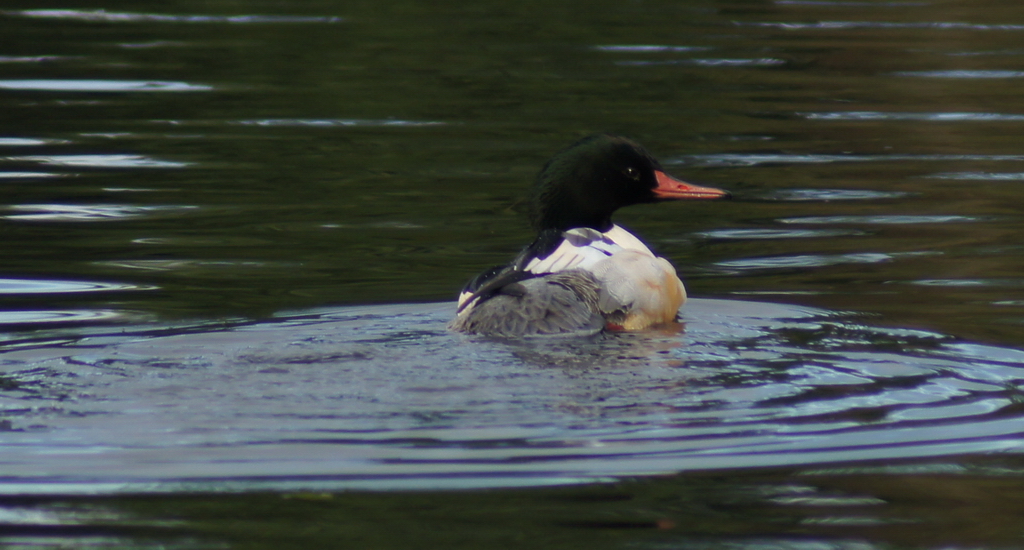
x: 232, y: 234
x: 380, y: 397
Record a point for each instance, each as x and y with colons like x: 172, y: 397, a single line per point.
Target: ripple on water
x: 701, y: 62
x: 963, y: 74
x: 87, y: 213
x: 29, y: 142
x: 930, y: 117
x: 53, y: 316
x: 768, y: 234
x: 56, y: 85
x: 210, y: 268
x: 982, y: 176
x: 28, y: 175
x: 830, y: 194
x: 970, y: 282
x: 755, y: 159
x: 649, y: 48
x: 879, y: 220
x: 847, y: 25
x: 797, y: 261
x: 386, y: 397
x: 100, y: 161
x: 104, y: 16
x: 336, y: 122
x: 45, y: 286
x: 848, y: 4
x: 31, y: 58
x: 717, y: 63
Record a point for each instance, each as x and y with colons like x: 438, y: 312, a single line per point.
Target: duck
x: 583, y: 274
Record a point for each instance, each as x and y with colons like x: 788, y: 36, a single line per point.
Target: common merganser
x: 583, y: 273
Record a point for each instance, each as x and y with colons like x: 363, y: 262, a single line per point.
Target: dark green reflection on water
x: 965, y: 504
x: 338, y: 153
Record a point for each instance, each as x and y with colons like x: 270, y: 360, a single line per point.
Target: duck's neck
x: 561, y: 210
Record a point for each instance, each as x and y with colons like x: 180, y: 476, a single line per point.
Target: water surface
x: 233, y: 231
x: 376, y: 397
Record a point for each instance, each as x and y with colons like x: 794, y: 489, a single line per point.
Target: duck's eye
x: 632, y: 173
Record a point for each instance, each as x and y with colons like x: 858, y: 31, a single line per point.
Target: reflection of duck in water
x: 582, y: 272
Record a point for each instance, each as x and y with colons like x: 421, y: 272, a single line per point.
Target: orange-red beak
x: 671, y: 188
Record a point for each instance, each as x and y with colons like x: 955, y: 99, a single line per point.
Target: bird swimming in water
x: 583, y: 273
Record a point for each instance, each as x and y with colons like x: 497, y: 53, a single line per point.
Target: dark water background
x: 227, y: 228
